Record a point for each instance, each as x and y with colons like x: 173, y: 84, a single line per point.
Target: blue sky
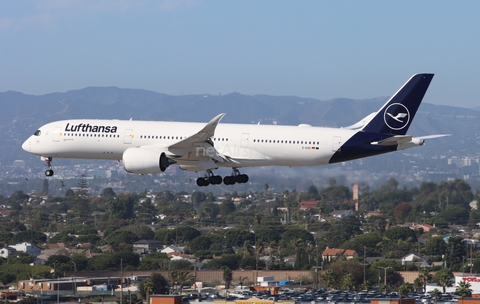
x: 317, y: 49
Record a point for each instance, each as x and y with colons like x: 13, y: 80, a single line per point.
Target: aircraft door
x: 127, y: 139
x: 337, y: 143
x: 244, y: 143
x: 56, y: 134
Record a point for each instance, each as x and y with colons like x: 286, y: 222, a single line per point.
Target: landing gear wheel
x: 49, y: 172
x: 229, y: 180
x: 215, y: 179
x: 241, y: 179
x: 202, y: 182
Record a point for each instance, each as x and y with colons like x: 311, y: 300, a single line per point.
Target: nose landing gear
x: 48, y: 163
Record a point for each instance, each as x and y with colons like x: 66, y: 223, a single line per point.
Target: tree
x: 200, y: 243
x: 227, y: 276
x: 121, y: 207
x: 45, y: 187
x: 404, y: 289
x: 60, y: 264
x: 227, y: 207
x: 155, y: 283
x: 348, y: 282
x: 341, y: 269
x: 69, y: 193
x: 400, y: 233
x: 401, y: 211
x: 455, y: 252
x: 435, y: 246
x: 180, y: 277
x: 28, y: 236
x: 108, y: 193
x: 198, y: 197
x: 425, y: 277
x: 148, y: 288
x: 328, y: 278
x: 154, y: 261
x: 463, y: 289
x: 241, y: 281
x: 443, y: 278
x: 180, y: 264
x: 435, y: 294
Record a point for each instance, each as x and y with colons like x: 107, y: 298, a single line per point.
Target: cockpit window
x: 38, y: 133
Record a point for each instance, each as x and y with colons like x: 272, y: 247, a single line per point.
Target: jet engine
x: 145, y: 160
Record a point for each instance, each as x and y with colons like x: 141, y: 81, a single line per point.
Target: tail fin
x: 397, y: 114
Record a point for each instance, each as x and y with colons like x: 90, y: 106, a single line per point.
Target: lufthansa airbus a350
x: 148, y: 147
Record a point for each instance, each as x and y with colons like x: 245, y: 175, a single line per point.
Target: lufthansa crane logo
x: 396, y: 116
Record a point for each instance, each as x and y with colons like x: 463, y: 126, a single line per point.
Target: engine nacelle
x: 145, y: 160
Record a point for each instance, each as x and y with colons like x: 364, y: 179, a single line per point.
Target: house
x: 289, y: 260
x: 172, y: 249
x: 305, y: 205
x: 28, y: 248
x: 341, y: 214
x: 373, y: 213
x: 330, y: 254
x: 6, y: 252
x: 413, y: 259
x: 146, y: 246
x: 424, y: 227
x: 53, y: 250
x: 180, y: 257
x: 471, y: 244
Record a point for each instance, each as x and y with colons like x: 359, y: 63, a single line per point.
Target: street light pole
x: 364, y: 265
x: 74, y: 278
x: 58, y: 291
x: 121, y: 281
x: 385, y: 272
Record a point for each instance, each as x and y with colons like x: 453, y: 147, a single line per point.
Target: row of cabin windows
x: 175, y: 137
x: 91, y: 135
x: 273, y: 141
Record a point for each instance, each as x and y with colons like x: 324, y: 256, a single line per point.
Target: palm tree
x: 329, y: 278
x: 435, y: 294
x: 241, y: 281
x: 227, y: 276
x: 183, y: 277
x: 348, y: 282
x: 425, y: 277
x: 383, y: 288
x: 148, y: 286
x: 404, y: 289
x: 463, y: 289
x: 246, y: 248
x: 444, y: 279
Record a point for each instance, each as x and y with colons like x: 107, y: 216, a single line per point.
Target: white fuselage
x: 246, y: 145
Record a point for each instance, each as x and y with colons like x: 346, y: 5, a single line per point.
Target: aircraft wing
x: 199, y: 146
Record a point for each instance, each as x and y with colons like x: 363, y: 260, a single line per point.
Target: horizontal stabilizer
x: 433, y: 136
x: 393, y: 141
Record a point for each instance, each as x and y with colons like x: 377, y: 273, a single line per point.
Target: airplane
x: 149, y: 147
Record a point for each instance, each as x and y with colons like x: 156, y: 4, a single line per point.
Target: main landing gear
x: 210, y: 178
x: 48, y: 163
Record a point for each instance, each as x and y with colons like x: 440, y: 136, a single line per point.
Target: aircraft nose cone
x: 26, y: 145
